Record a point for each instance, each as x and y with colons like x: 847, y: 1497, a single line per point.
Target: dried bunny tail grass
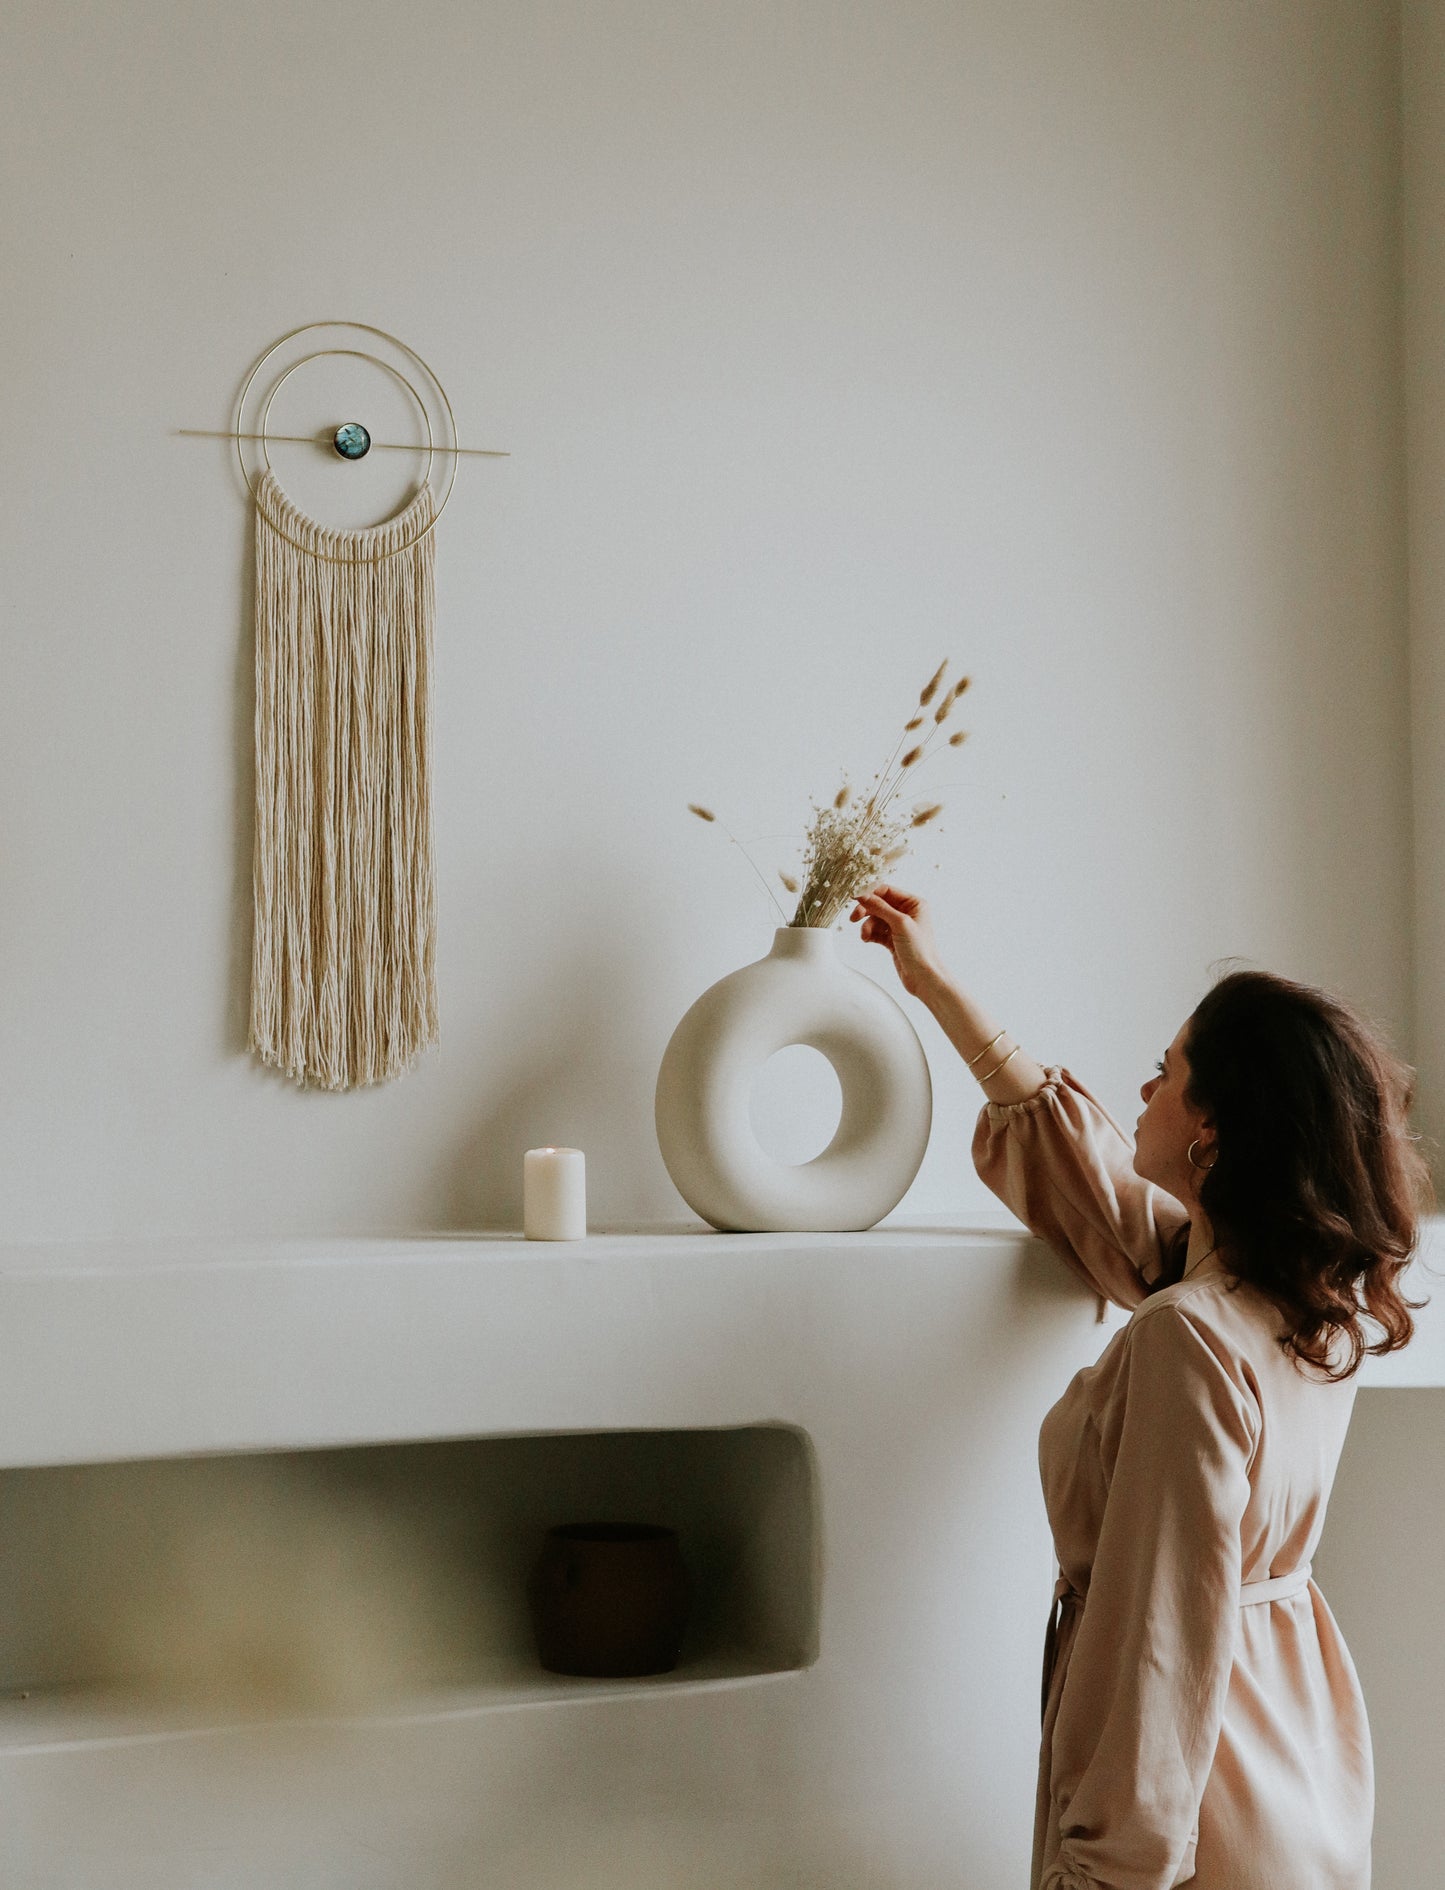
x: 886, y: 788
x: 706, y: 813
x: 930, y: 688
x: 957, y: 739
x: 851, y: 844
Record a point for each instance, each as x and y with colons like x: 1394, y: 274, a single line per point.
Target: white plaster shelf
x: 917, y: 1361
x: 156, y: 1348
x: 60, y: 1719
x: 1421, y: 1365
x: 118, y: 1350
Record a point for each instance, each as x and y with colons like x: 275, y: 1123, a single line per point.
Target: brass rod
x: 324, y: 439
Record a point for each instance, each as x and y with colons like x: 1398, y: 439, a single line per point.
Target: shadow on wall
x: 249, y: 1587
x: 581, y: 1077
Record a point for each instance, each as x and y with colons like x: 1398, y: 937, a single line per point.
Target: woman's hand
x: 901, y: 921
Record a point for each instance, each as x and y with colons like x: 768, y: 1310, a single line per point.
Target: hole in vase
x: 796, y: 1104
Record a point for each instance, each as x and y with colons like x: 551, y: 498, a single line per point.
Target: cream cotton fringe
x: 343, y: 978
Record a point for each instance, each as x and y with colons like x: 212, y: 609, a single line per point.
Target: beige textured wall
x: 826, y: 340
x: 1423, y: 233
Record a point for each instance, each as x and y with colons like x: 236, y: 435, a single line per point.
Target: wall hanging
x: 343, y: 976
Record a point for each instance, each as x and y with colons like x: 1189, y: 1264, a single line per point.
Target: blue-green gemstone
x: 353, y: 441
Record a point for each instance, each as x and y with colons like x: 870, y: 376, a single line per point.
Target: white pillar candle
x: 554, y: 1194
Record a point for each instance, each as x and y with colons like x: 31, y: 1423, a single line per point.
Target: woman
x: 1202, y: 1720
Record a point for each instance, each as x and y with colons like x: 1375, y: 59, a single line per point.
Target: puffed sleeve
x: 1143, y: 1700
x: 1066, y: 1168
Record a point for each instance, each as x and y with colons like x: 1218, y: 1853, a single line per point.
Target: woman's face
x: 1169, y: 1126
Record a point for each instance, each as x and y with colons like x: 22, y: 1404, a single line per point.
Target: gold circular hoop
x: 361, y: 354
x: 328, y: 557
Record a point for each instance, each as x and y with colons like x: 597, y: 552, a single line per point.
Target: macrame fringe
x: 343, y: 981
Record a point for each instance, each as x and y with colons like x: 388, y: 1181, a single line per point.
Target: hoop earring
x: 1203, y: 1167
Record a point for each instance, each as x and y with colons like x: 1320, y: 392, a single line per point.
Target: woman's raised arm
x: 900, y: 921
x: 1060, y: 1162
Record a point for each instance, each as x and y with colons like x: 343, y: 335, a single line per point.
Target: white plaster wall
x: 825, y: 340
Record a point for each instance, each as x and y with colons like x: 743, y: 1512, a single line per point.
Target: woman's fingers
x: 874, y: 929
x: 890, y: 906
x: 901, y: 901
x: 901, y: 921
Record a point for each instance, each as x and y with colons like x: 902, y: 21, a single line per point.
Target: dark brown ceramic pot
x: 609, y: 1600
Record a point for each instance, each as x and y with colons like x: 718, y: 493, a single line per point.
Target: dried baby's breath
x: 845, y: 854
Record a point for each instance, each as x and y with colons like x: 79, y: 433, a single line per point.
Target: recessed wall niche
x: 379, y: 1577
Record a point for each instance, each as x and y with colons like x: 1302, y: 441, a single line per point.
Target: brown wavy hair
x: 1318, y: 1185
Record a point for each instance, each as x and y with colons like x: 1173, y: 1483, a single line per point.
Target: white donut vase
x: 798, y: 994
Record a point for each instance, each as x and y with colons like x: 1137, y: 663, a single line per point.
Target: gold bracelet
x: 998, y: 1066
x: 986, y: 1048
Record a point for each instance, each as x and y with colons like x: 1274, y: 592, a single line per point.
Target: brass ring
x: 330, y: 557
x: 396, y: 342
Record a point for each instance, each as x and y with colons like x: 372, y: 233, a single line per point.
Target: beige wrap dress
x: 1202, y: 1718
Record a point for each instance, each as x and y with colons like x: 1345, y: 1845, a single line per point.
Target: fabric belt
x: 1274, y: 1588
x: 1277, y: 1588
